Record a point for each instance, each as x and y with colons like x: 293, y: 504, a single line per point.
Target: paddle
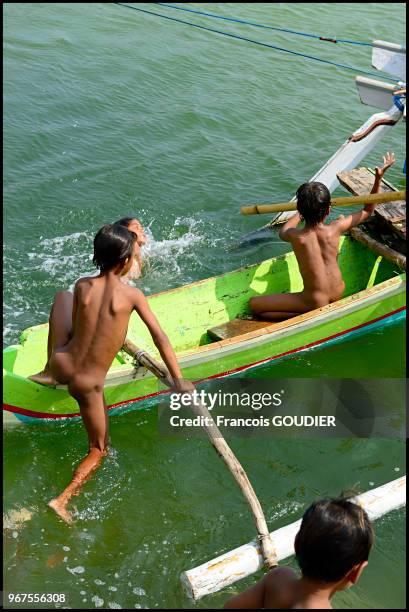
x: 221, y: 446
x: 373, y: 198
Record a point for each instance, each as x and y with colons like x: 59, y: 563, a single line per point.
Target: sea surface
x: 110, y: 112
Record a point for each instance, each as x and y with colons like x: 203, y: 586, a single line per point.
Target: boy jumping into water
x: 86, y: 330
x: 316, y: 249
x: 332, y: 549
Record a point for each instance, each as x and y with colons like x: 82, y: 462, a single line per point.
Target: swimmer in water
x: 86, y: 331
x: 133, y: 225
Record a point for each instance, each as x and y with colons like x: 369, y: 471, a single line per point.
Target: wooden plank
x: 394, y: 213
x: 379, y: 248
x: 359, y: 181
x: 235, y: 327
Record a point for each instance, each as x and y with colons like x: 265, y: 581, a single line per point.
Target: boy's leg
x: 280, y: 306
x: 107, y: 438
x: 59, y: 332
x: 93, y: 412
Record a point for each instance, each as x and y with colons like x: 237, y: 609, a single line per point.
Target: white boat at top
x: 390, y: 58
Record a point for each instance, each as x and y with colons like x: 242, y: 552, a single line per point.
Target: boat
x: 206, y: 320
x: 391, y: 99
x: 193, y: 316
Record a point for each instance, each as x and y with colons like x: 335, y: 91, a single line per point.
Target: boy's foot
x: 44, y: 378
x: 61, y: 510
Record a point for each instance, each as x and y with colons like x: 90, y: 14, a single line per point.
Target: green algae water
x: 110, y: 112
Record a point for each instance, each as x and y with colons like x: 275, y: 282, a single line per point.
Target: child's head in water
x: 313, y: 202
x: 114, y: 249
x: 334, y: 542
x: 135, y: 226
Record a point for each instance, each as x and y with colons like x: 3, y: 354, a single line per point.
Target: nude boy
x: 86, y: 330
x: 316, y: 249
x: 133, y: 225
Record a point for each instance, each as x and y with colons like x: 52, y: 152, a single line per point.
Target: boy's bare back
x: 101, y: 311
x: 316, y: 250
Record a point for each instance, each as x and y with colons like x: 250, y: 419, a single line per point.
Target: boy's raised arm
x: 346, y: 223
x: 161, y: 340
x: 290, y: 225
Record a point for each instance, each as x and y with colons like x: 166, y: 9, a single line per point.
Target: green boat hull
x: 374, y: 295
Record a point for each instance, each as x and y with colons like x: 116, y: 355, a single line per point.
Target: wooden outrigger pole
x: 241, y: 562
x: 269, y: 555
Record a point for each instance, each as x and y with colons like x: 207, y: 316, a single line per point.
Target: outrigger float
x: 206, y: 320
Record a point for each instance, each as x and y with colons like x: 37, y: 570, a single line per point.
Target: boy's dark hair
x: 113, y: 245
x: 313, y: 202
x: 335, y: 535
x: 125, y: 221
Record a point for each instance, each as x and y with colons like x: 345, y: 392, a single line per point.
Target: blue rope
x: 260, y: 25
x: 256, y: 42
x: 397, y: 102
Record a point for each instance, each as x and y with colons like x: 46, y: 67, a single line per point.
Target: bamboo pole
x: 221, y: 447
x: 370, y: 198
x: 223, y: 571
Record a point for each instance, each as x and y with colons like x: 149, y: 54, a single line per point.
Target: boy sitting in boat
x: 332, y: 549
x: 316, y: 249
x: 86, y: 330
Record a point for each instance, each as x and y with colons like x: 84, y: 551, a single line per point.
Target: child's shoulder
x: 280, y: 587
x: 134, y: 292
x: 83, y: 281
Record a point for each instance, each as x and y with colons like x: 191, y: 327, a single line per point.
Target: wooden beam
x: 377, y: 247
x: 360, y: 181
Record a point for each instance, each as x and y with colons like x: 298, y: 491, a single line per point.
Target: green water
x: 109, y: 113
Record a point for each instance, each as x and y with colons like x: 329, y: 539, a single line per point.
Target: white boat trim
x: 375, y: 93
x: 390, y: 58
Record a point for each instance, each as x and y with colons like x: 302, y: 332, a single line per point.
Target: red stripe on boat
x: 46, y: 415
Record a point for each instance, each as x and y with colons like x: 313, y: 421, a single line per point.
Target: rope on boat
x: 269, y: 27
x: 397, y: 102
x: 256, y: 42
